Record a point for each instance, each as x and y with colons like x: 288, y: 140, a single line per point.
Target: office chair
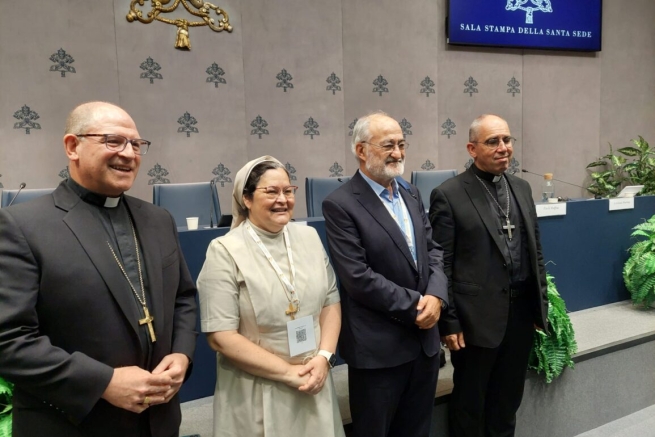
x: 426, y: 181
x: 317, y: 189
x: 25, y: 195
x: 198, y: 199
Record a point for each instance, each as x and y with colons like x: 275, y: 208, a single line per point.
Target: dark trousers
x: 488, y: 382
x: 395, y: 401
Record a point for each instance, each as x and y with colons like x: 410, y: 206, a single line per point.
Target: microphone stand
x: 558, y: 180
x: 20, y: 188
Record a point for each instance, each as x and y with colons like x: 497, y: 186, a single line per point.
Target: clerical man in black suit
x: 485, y: 220
x: 97, y: 307
x: 392, y: 286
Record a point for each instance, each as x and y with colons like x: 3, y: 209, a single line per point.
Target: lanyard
x: 288, y: 284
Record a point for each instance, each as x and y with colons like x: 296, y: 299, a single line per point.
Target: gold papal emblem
x: 197, y: 8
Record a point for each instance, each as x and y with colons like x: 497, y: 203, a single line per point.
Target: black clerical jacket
x: 67, y: 318
x: 475, y: 263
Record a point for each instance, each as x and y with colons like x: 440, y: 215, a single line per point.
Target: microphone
x: 20, y: 188
x: 558, y: 180
x: 211, y: 209
x: 340, y: 179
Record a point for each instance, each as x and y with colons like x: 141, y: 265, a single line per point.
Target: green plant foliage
x: 617, y: 171
x: 6, y: 390
x: 607, y: 183
x: 639, y: 270
x: 551, y: 353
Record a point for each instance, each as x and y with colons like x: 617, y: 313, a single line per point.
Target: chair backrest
x: 317, y: 189
x: 25, y: 195
x: 426, y: 181
x: 198, y: 199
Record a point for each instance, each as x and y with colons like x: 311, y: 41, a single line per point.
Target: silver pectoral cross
x: 508, y: 227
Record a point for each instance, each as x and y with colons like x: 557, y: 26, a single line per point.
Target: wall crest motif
x: 290, y: 168
x: 158, y: 175
x: 215, y: 72
x: 333, y: 81
x: 449, y: 128
x: 470, y: 85
x: 62, y: 62
x: 26, y: 117
x: 427, y: 85
x: 284, y: 80
x: 221, y: 172
x: 151, y: 70
x: 259, y: 125
x: 336, y: 170
x: 188, y: 123
x: 312, y: 128
x: 380, y: 85
x: 351, y: 126
x: 405, y: 126
x: 513, y: 85
x: 427, y: 165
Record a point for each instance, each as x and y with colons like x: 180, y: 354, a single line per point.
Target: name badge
x: 301, y: 335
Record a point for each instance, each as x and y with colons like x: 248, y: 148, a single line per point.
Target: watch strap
x: 329, y: 356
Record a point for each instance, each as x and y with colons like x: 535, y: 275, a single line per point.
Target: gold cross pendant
x: 291, y: 311
x: 148, y: 319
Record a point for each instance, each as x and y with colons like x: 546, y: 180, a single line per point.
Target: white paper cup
x: 192, y: 223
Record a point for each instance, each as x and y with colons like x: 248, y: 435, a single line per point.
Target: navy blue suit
x: 380, y: 289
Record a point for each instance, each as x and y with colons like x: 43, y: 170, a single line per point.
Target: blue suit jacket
x: 379, y: 283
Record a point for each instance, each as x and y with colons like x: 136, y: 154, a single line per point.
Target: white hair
x: 361, y: 131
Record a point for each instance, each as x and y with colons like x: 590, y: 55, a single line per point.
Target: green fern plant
x: 552, y: 353
x: 6, y: 390
x: 639, y: 270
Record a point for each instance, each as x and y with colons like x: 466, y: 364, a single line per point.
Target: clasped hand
x: 429, y: 311
x: 309, y: 378
x: 135, y: 389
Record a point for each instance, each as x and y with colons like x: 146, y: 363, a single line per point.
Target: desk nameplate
x: 550, y: 209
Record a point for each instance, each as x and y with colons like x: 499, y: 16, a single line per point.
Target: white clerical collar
x: 111, y: 202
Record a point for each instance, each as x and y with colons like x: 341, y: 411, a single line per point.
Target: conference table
x: 584, y: 250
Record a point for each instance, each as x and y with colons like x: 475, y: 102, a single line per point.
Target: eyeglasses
x: 390, y: 147
x: 118, y: 143
x: 274, y: 192
x: 493, y: 143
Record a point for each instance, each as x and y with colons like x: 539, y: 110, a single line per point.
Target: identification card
x: 301, y: 335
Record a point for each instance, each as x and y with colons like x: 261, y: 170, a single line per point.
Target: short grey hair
x: 474, y: 129
x: 361, y: 131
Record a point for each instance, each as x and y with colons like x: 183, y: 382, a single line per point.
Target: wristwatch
x: 329, y: 356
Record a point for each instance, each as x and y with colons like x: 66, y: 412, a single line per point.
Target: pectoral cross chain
x: 148, y: 319
x: 291, y: 311
x: 508, y: 227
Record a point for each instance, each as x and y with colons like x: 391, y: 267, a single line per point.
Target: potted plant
x: 552, y: 353
x: 639, y: 270
x: 641, y: 171
x: 608, y: 182
x: 6, y: 390
x: 617, y: 171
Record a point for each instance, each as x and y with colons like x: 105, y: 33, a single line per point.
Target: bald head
x: 84, y: 116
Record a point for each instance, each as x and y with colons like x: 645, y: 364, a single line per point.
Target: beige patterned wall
x: 570, y: 105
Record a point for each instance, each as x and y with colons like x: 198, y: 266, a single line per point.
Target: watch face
x: 332, y: 360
